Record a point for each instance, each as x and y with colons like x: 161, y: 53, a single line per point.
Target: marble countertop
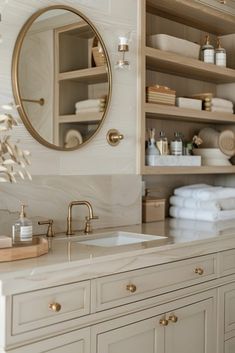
x: 69, y: 261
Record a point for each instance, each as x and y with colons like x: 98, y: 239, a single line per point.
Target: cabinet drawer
x: 136, y: 285
x: 227, y: 262
x: 45, y: 307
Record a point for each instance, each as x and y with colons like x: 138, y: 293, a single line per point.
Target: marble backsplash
x: 115, y: 199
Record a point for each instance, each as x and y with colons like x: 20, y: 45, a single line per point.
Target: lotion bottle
x: 22, y: 230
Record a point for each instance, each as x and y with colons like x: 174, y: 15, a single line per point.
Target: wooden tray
x: 38, y: 247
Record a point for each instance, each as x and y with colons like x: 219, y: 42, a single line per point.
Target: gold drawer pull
x: 163, y: 322
x: 56, y: 307
x: 173, y: 318
x: 131, y: 288
x: 199, y: 271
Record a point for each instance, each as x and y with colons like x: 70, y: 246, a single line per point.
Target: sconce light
x: 123, y: 47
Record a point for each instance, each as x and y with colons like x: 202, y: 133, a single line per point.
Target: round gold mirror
x: 61, y: 78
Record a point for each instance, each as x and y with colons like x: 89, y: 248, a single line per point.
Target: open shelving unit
x: 172, y: 68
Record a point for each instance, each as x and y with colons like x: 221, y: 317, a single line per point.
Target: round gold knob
x: 56, y: 307
x: 199, y: 271
x: 173, y: 318
x: 131, y: 288
x: 163, y: 322
x: 114, y: 137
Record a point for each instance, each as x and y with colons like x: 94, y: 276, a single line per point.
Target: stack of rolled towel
x: 203, y: 202
x: 221, y: 105
x: 90, y: 106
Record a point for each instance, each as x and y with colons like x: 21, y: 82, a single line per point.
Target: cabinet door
x: 72, y: 342
x: 145, y: 336
x: 194, y: 329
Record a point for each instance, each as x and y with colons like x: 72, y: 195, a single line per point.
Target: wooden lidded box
x: 153, y: 209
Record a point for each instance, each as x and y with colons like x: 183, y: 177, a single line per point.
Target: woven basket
x: 98, y: 56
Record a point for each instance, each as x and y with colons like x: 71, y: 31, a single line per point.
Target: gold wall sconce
x: 114, y: 137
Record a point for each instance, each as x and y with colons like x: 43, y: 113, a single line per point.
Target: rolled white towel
x: 90, y: 103
x: 222, y: 109
x: 221, y: 102
x: 205, y: 193
x: 201, y: 215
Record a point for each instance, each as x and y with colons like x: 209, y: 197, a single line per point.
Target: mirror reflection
x: 63, y: 79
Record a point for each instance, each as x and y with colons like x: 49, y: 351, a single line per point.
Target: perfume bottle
x: 152, y: 149
x: 220, y: 54
x: 208, y: 51
x: 22, y: 230
x: 162, y: 143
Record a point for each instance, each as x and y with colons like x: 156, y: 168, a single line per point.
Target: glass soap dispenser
x: 208, y: 51
x: 22, y: 230
x: 220, y: 54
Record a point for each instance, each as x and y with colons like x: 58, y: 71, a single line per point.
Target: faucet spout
x: 69, y: 218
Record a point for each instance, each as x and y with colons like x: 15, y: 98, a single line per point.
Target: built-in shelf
x: 90, y: 76
x: 176, y: 113
x: 171, y: 63
x: 81, y: 118
x: 188, y: 170
x: 194, y: 14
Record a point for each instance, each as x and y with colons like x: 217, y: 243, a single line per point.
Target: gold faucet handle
x: 50, y: 231
x: 91, y: 218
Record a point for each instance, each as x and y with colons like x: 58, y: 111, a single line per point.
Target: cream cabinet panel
x: 194, y: 330
x: 73, y: 342
x: 227, y: 262
x: 35, y: 309
x: 229, y: 305
x: 228, y: 6
x: 145, y: 336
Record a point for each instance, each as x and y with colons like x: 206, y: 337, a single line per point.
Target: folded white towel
x: 215, y: 205
x: 89, y: 110
x: 201, y: 215
x: 90, y: 103
x: 205, y: 192
x: 195, y: 204
x: 222, y: 109
x: 221, y: 102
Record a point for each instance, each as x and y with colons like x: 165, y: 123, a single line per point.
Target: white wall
x: 59, y: 177
x: 112, y: 18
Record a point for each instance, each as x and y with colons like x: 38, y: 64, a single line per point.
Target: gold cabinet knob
x: 114, y: 137
x: 163, y: 322
x: 131, y: 288
x: 173, y: 318
x: 56, y: 307
x: 199, y: 271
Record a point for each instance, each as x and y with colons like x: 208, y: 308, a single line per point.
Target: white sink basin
x: 120, y: 238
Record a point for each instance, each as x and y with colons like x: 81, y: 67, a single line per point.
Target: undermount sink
x: 119, y: 238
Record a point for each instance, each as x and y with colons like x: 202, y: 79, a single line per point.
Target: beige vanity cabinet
x: 185, y: 325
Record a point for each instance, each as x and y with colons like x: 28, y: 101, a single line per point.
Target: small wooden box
x: 153, y: 210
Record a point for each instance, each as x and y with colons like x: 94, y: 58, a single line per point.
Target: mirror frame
x: 15, y: 76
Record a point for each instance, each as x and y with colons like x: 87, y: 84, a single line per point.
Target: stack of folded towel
x: 221, y: 105
x: 203, y: 202
x: 90, y: 106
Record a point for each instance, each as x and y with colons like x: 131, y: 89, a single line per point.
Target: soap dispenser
x: 22, y: 230
x: 208, y: 51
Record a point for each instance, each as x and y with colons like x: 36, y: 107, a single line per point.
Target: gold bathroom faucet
x: 90, y: 217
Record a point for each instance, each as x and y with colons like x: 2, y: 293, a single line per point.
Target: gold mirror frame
x: 15, y: 76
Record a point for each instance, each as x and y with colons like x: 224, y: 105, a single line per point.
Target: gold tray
x: 38, y: 247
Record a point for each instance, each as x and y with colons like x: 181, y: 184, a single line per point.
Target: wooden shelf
x: 171, y: 63
x: 195, y: 14
x: 188, y: 170
x: 175, y: 113
x: 87, y: 118
x: 90, y: 76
